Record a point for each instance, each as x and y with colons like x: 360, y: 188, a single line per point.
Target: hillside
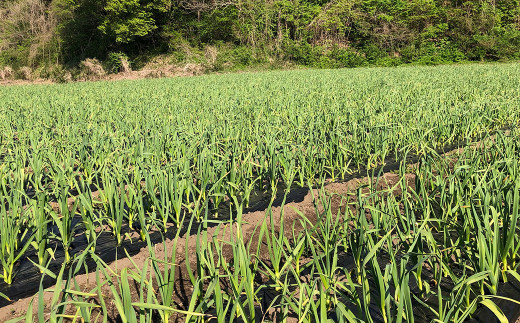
x: 52, y: 39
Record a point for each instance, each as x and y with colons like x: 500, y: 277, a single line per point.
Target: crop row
x: 134, y: 158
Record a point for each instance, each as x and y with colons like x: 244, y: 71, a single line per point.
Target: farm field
x: 359, y: 195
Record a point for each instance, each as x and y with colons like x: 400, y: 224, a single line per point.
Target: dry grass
x: 6, y: 73
x: 91, y: 69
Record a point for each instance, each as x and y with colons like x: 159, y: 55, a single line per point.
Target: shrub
x: 211, y: 55
x: 242, y: 55
x: 25, y: 73
x: 347, y: 57
x: 59, y: 74
x: 117, y: 62
x: 374, y: 53
x: 91, y: 69
x: 302, y: 52
x: 6, y: 73
x: 220, y: 56
x: 388, y: 61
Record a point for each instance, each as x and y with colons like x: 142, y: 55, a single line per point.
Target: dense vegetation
x: 133, y: 159
x: 46, y: 35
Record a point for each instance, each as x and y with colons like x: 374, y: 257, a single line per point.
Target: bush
x: 347, y: 57
x: 117, y: 62
x: 303, y: 53
x: 211, y: 54
x: 242, y: 55
x: 24, y: 73
x: 501, y: 43
x: 220, y: 56
x: 374, y: 53
x: 91, y: 69
x: 450, y: 53
x: 409, y: 54
x: 388, y: 61
x: 59, y: 74
x: 434, y: 53
x: 6, y: 73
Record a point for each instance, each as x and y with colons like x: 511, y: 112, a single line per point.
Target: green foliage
x: 322, y: 56
x: 27, y: 33
x: 500, y: 43
x: 433, y: 53
x: 78, y: 30
x: 347, y: 57
x: 127, y: 20
x: 317, y: 33
x: 114, y: 62
x: 55, y: 73
x: 302, y: 52
x: 239, y: 56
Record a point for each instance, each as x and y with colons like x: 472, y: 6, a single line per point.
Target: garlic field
x: 353, y: 195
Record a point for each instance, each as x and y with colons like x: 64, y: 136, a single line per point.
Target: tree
x: 27, y: 33
x: 126, y: 20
